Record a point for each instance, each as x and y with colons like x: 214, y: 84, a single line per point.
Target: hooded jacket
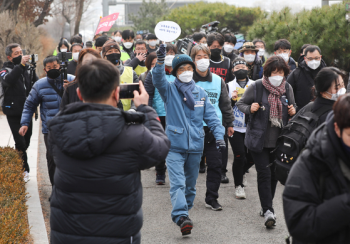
x: 99, y: 152
x: 184, y: 126
x: 316, y: 199
x: 302, y: 80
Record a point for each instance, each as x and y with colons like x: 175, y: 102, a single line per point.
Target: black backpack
x: 293, y: 138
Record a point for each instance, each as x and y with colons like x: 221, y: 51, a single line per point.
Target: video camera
x: 64, y: 57
x: 211, y: 27
x: 185, y: 45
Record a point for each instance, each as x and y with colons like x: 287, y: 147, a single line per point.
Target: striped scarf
x: 274, y: 100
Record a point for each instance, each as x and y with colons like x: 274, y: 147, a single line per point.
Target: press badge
x: 199, y: 104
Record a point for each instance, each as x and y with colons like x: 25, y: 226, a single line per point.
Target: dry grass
x: 14, y: 227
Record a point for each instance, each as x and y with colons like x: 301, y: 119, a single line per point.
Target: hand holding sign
x: 167, y: 31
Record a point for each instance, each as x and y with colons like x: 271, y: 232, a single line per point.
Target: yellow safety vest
x: 140, y: 69
x: 126, y: 78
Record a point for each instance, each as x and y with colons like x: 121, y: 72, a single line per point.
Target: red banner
x: 107, y: 22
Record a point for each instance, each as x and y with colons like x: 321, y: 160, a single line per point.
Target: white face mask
x: 128, y: 45
x: 276, y: 80
x: 63, y: 50
x: 118, y: 38
x: 203, y: 64
x: 186, y: 76
x: 249, y: 58
x: 335, y: 96
x: 169, y: 60
x: 314, y: 64
x: 75, y: 56
x: 228, y: 48
x: 261, y: 52
x: 152, y: 43
x: 204, y: 44
x: 285, y: 56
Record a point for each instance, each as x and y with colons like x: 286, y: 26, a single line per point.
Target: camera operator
x: 46, y: 92
x: 16, y: 83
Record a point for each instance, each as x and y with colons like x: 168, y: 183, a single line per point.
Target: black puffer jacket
x: 316, y: 198
x: 302, y: 80
x: 99, y: 152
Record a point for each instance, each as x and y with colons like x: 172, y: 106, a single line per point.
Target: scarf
x: 186, y: 89
x: 274, y: 100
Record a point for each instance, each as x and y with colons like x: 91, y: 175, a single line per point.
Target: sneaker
x: 240, y: 193
x: 202, y: 169
x: 214, y: 205
x: 224, y: 179
x: 245, y: 182
x: 270, y: 219
x: 26, y: 176
x: 160, y: 179
x: 186, y: 225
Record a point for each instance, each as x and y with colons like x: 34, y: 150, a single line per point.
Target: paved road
x: 239, y: 222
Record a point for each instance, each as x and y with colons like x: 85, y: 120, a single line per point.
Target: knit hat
x: 248, y: 46
x: 179, y: 60
x: 108, y: 46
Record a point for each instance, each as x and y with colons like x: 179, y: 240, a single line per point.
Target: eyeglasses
x: 317, y: 58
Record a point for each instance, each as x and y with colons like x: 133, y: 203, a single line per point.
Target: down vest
x: 44, y: 95
x: 318, y: 211
x: 99, y: 151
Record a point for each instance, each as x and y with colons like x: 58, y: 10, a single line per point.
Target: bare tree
x: 72, y: 11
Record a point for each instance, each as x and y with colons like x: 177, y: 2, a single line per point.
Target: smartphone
x: 64, y: 56
x: 127, y: 90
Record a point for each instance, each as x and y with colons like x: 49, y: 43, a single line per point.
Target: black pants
x: 161, y: 167
x: 241, y: 157
x: 266, y: 177
x: 21, y: 142
x: 213, y: 157
x: 224, y: 154
x: 51, y: 166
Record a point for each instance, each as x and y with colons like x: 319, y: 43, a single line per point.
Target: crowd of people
x: 189, y: 106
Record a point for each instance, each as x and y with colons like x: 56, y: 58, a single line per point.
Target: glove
x: 161, y: 52
x: 220, y: 145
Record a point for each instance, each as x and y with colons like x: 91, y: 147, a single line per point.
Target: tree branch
x: 44, y: 13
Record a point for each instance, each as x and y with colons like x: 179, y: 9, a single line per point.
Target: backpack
x: 293, y: 138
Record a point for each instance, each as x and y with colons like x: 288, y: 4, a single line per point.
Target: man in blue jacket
x: 187, y: 105
x: 46, y: 92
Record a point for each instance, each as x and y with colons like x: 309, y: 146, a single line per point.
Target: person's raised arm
x: 158, y: 73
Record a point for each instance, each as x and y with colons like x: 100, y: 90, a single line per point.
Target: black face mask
x: 53, y: 73
x: 17, y: 60
x: 241, y: 74
x: 215, y: 52
x: 113, y: 58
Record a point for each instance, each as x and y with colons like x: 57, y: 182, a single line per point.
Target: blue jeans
x: 183, y: 169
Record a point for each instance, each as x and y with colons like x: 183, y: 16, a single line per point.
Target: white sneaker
x: 26, y: 176
x: 270, y: 219
x: 240, y: 194
x: 245, y: 182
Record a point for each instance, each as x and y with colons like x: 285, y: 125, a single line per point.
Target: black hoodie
x: 99, y: 152
x: 316, y: 199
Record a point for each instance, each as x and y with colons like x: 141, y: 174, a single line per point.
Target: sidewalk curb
x: 35, y: 213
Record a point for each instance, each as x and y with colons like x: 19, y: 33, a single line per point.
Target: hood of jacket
x: 85, y: 130
x: 292, y: 64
